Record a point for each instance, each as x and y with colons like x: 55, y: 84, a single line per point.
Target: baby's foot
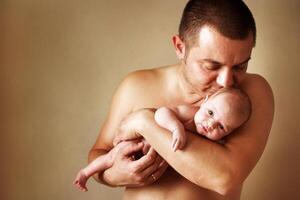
x: 80, y: 181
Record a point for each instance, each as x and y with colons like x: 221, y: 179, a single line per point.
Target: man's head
x: 231, y: 18
x: 222, y: 113
x: 215, y: 42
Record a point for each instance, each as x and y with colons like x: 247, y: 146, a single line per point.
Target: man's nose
x: 225, y: 78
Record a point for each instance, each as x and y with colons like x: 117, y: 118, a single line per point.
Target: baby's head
x: 222, y: 112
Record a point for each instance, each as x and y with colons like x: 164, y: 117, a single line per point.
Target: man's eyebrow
x: 247, y: 60
x: 214, y: 62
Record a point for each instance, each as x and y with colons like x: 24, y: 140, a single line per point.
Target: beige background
x: 61, y: 60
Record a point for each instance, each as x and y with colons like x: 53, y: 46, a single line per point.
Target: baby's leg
x: 99, y: 164
x: 167, y: 119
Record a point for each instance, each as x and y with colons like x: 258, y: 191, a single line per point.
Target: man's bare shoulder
x: 147, y: 86
x: 141, y: 78
x: 257, y: 87
x: 262, y: 100
x: 147, y: 76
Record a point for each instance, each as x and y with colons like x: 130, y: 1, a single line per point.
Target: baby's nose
x: 211, y: 124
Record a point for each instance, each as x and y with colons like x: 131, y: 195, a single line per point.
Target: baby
x: 218, y: 116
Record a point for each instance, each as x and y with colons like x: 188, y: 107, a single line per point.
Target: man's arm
x: 123, y: 102
x: 103, y: 143
x: 219, y: 168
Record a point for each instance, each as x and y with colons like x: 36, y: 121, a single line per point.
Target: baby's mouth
x: 203, y: 128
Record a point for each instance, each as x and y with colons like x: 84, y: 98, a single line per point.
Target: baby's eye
x: 221, y: 127
x: 211, y: 113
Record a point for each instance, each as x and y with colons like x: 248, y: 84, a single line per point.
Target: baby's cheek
x: 199, y: 121
x: 198, y: 118
x: 200, y: 131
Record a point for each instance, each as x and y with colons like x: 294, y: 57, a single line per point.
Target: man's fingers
x: 145, y: 161
x: 159, y: 172
x: 152, y: 173
x: 146, y: 147
x: 163, y: 163
x: 132, y: 147
x: 151, y: 178
x: 153, y: 167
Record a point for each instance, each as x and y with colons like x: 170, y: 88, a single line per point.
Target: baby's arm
x: 129, y: 135
x: 173, y: 119
x: 98, y: 165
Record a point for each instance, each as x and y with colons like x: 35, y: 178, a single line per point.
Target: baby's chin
x: 212, y: 137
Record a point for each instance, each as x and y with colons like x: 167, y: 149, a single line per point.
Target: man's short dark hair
x: 231, y: 18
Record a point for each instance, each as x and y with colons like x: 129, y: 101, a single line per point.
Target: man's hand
x: 133, y: 173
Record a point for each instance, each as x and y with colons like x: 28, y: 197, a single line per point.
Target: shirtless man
x: 214, y: 46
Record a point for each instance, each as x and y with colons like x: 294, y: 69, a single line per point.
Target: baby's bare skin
x: 98, y: 165
x: 216, y: 118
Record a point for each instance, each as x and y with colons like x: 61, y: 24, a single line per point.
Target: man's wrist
x: 107, y: 179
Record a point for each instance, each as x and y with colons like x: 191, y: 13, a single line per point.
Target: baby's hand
x: 179, y: 139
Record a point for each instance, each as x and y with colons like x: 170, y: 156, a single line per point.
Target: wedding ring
x: 154, y: 178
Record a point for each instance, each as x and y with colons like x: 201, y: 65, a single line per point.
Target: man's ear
x: 179, y: 47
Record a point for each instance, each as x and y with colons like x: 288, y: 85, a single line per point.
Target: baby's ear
x: 206, y: 98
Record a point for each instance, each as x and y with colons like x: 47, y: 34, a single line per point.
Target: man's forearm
x: 207, y: 165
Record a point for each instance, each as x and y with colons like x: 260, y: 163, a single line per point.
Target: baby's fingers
x: 175, y: 144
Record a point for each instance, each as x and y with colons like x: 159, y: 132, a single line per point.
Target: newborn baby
x: 218, y: 116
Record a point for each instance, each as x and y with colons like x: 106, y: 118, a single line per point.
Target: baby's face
x: 216, y: 119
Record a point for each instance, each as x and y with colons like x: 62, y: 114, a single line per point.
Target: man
x: 214, y: 46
